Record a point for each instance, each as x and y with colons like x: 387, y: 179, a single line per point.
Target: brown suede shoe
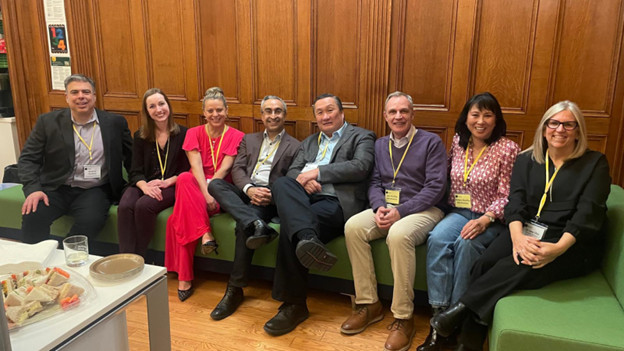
x: 401, y: 334
x: 362, y: 317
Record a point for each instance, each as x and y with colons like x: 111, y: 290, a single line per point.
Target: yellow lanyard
x: 396, y: 171
x: 546, y: 187
x: 324, y: 150
x: 90, y: 146
x: 215, y: 159
x: 162, y: 167
x: 260, y: 163
x: 468, y: 170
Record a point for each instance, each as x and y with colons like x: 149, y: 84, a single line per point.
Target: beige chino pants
x: 402, y: 238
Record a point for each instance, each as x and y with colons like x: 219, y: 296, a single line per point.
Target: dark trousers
x: 299, y: 211
x: 233, y: 201
x: 496, y: 275
x: 89, y: 207
x: 136, y: 218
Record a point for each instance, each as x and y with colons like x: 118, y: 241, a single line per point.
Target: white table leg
x: 158, y: 316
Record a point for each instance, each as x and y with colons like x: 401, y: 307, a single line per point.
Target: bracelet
x: 492, y: 219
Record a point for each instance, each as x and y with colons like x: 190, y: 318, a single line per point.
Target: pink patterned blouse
x: 488, y: 182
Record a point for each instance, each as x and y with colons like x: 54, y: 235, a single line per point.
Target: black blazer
x: 48, y: 156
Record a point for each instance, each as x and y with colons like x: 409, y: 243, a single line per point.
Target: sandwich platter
x: 34, y: 295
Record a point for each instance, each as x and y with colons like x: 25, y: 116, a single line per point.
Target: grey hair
x: 398, y: 94
x: 214, y: 93
x: 79, y: 78
x: 270, y: 97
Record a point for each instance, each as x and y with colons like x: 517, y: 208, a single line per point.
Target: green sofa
x: 580, y: 314
x: 11, y: 200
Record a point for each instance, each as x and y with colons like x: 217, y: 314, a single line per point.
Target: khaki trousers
x: 402, y: 237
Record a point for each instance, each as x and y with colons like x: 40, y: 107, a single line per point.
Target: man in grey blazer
x: 325, y: 185
x: 72, y: 164
x: 262, y: 158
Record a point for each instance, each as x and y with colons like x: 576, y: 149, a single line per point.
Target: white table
x: 84, y: 325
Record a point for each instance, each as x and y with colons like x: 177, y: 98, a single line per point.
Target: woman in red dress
x: 211, y: 149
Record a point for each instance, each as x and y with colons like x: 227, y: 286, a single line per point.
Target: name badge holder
x: 534, y: 228
x: 463, y: 201
x: 393, y: 195
x: 92, y: 171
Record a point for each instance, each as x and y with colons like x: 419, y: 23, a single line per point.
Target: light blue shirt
x: 330, y: 143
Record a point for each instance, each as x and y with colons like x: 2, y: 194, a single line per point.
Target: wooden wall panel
x: 336, y: 39
x: 425, y: 52
x: 116, y: 49
x: 166, y: 55
x: 501, y: 68
x: 588, y: 50
x: 530, y: 54
x: 275, y: 49
x: 218, y: 46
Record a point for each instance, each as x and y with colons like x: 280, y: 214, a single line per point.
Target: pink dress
x: 190, y: 218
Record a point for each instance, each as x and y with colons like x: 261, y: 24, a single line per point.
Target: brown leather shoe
x: 362, y: 317
x: 401, y: 335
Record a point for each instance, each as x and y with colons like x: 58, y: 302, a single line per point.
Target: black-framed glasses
x: 554, y: 124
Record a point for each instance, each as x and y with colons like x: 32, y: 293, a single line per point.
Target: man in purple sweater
x: 408, y: 182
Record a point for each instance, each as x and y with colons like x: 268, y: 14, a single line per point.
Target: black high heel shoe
x: 185, y: 294
x: 209, y: 246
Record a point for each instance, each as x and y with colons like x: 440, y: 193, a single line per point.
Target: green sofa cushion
x: 576, y: 314
x: 613, y: 265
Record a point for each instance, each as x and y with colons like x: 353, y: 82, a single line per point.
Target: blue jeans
x: 450, y: 257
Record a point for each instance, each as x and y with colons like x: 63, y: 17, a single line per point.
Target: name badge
x: 309, y: 166
x: 393, y: 196
x: 463, y: 201
x: 534, y: 229
x: 92, y: 171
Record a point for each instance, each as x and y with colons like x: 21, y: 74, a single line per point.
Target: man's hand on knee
x: 32, y: 201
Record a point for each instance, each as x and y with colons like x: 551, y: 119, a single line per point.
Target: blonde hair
x: 539, y: 142
x: 214, y: 93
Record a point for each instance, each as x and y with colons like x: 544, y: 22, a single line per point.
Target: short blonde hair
x: 539, y: 142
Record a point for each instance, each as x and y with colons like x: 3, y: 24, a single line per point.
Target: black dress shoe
x: 229, y: 303
x: 185, y: 294
x: 435, y: 342
x: 262, y: 234
x: 287, y: 319
x: 314, y: 255
x: 446, y: 322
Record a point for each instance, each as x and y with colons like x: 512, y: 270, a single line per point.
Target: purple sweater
x: 422, y: 177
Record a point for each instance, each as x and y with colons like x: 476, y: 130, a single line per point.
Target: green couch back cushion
x: 613, y: 266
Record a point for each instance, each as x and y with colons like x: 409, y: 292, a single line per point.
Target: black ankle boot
x: 446, y: 322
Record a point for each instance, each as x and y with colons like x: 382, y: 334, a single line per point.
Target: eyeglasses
x: 276, y: 112
x: 554, y: 124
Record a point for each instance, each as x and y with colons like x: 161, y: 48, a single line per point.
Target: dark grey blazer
x: 48, y: 156
x: 349, y: 169
x: 247, y: 157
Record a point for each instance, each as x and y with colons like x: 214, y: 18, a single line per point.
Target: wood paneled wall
x: 529, y: 53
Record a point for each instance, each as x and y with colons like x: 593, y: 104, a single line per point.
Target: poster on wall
x: 58, y: 44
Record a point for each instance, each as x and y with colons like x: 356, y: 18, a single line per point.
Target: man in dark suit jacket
x: 325, y: 185
x: 72, y: 164
x: 262, y: 158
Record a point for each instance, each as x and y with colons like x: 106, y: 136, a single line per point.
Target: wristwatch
x: 492, y: 219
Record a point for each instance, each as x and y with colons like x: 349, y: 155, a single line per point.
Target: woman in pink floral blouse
x: 480, y: 163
